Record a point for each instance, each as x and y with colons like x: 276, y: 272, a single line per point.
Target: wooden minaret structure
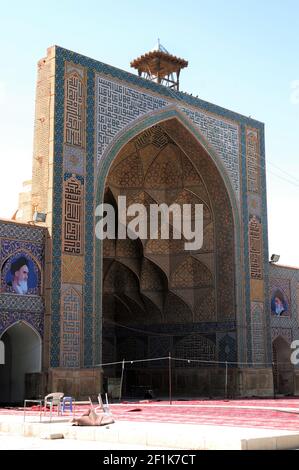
x: 160, y: 66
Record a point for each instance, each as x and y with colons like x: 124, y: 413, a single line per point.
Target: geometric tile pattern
x: 227, y: 347
x: 286, y: 281
x: 258, y: 332
x: 12, y: 247
x: 91, y: 332
x: 118, y: 106
x: 285, y: 333
x: 36, y: 320
x: 192, y: 273
x: 70, y: 328
x: 58, y: 130
x: 21, y: 303
x: 195, y: 346
x: 224, y: 137
x: 72, y: 269
x: 22, y: 232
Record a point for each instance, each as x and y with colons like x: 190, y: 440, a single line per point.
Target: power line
x: 178, y: 98
x: 284, y: 178
x: 283, y: 171
x: 189, y: 361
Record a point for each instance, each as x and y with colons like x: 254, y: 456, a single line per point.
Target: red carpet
x: 241, y: 413
x: 216, y: 413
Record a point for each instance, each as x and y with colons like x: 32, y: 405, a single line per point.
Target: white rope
x: 189, y: 361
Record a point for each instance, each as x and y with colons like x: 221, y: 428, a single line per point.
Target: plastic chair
x: 51, y: 400
x: 103, y: 407
x: 67, y: 403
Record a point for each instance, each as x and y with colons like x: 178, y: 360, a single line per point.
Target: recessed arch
x: 146, y: 122
x: 132, y: 131
x: 23, y: 349
x: 195, y: 147
x: 283, y: 373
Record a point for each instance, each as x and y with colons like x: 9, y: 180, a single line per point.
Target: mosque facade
x: 224, y: 314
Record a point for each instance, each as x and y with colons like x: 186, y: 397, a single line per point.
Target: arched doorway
x: 22, y: 356
x: 283, y: 370
x: 156, y: 295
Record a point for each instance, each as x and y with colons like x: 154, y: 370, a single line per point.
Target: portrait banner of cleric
x: 279, y: 305
x: 20, y: 272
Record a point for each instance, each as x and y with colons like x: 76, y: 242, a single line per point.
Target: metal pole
x: 169, y: 379
x: 121, y: 379
x: 273, y: 379
x: 226, y: 379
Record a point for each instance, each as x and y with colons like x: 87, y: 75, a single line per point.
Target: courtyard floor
x: 196, y: 424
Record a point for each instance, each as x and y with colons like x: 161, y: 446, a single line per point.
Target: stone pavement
x: 17, y: 442
x: 150, y: 435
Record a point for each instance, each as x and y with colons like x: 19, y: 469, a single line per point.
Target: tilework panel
x: 118, y: 106
x: 244, y: 334
x: 73, y: 160
x: 195, y: 346
x: 178, y: 329
x: 73, y: 69
x: 92, y: 332
x: 253, y: 161
x: 22, y: 232
x: 18, y: 239
x: 130, y: 79
x: 286, y: 280
x: 21, y: 303
x: 224, y: 137
x: 74, y: 132
x: 9, y: 247
x: 255, y: 244
x: 255, y: 204
x: 285, y: 333
x: 159, y: 346
x: 8, y: 319
x: 227, y: 347
x: 71, y: 318
x: 72, y: 269
x: 258, y: 332
x: 73, y: 198
x: 57, y: 211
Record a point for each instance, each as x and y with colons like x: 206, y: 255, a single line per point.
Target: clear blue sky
x: 242, y: 55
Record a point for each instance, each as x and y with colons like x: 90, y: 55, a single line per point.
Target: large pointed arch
x: 171, y: 116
